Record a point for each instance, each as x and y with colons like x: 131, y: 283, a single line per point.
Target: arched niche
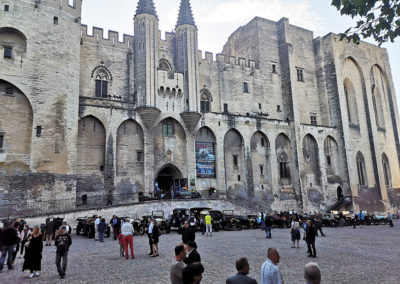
x: 260, y: 157
x: 234, y: 160
x: 351, y: 101
x: 130, y: 149
x: 284, y: 158
x: 170, y: 143
x: 16, y: 122
x: 361, y: 170
x: 331, y: 151
x: 311, y: 168
x: 205, y: 148
x: 14, y: 41
x: 387, y: 175
x: 91, y: 146
x: 379, y: 94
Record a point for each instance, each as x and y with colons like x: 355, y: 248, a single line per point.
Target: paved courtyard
x: 365, y: 255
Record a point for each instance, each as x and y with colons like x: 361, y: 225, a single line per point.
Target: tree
x: 379, y: 19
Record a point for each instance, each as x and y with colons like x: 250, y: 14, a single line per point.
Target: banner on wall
x: 205, y: 160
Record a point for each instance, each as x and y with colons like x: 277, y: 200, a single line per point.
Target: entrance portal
x: 168, y: 182
x: 339, y: 193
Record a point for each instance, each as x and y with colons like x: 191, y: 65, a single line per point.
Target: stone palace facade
x: 279, y: 117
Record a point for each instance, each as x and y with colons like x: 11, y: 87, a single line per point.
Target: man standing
x: 243, y: 268
x: 49, y: 231
x: 390, y: 219
x: 175, y: 274
x: 116, y: 225
x: 96, y: 228
x: 188, y: 234
x: 268, y: 226
x: 270, y: 273
x: 149, y: 235
x: 127, y: 232
x: 312, y: 273
x: 8, y: 241
x: 208, y: 224
x: 310, y: 239
x: 63, y: 242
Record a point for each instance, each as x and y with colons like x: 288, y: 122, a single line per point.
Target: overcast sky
x: 217, y: 19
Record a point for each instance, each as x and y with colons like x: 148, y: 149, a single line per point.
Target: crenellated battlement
x: 227, y: 61
x: 112, y: 39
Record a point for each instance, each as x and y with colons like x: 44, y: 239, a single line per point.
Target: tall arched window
x: 102, y: 77
x: 351, y: 101
x: 386, y: 170
x: 362, y: 176
x: 205, y: 101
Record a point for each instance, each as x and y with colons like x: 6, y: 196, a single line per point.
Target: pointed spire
x: 185, y: 16
x: 146, y: 7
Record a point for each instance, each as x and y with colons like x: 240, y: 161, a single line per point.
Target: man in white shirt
x: 96, y: 228
x: 127, y: 233
x: 149, y: 232
x: 270, y: 273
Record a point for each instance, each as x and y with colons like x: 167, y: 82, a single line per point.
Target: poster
x: 205, y: 160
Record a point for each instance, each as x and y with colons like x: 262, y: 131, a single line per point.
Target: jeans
x: 128, y: 241
x: 209, y: 229
x: 268, y: 232
x: 4, y: 251
x: 101, y: 236
x: 64, y: 257
x: 311, y: 248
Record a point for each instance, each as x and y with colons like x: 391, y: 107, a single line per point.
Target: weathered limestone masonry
x: 280, y: 117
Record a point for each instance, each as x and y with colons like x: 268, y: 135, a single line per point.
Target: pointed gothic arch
x: 361, y: 170
x: 102, y: 79
x: 205, y: 101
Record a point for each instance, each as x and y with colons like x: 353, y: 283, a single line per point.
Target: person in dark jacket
x: 268, y: 226
x: 102, y: 229
x: 116, y: 225
x: 49, y: 231
x: 155, y: 238
x: 188, y: 234
x: 16, y: 227
x: 310, y: 239
x: 193, y: 255
x: 243, y: 268
x: 33, y: 253
x: 63, y: 242
x: 8, y: 240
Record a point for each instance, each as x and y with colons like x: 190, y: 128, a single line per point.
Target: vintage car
x: 85, y: 226
x: 178, y: 217
x: 255, y: 221
x: 163, y: 223
x: 187, y: 194
x: 215, y: 222
x: 231, y: 221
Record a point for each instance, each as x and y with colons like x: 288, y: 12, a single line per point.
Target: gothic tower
x: 145, y: 52
x: 186, y: 60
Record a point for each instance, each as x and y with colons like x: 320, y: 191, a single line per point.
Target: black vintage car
x: 178, y: 217
x: 231, y: 221
x: 187, y: 194
x: 163, y: 223
x: 137, y: 224
x: 254, y: 221
x: 85, y: 226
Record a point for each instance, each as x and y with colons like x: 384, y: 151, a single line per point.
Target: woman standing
x: 155, y: 238
x: 33, y: 253
x: 24, y: 235
x: 295, y: 233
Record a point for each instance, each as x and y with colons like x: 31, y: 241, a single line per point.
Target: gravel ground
x: 364, y: 255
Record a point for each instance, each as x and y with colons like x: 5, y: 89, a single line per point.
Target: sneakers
x: 31, y: 275
x: 37, y: 273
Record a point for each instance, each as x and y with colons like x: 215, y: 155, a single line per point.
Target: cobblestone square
x: 364, y: 255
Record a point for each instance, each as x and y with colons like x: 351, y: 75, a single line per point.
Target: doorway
x: 168, y: 181
x: 339, y: 193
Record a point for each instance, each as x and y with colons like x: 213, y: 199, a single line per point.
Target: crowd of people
x: 15, y: 235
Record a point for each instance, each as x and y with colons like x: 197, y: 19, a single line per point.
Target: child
x: 121, y: 245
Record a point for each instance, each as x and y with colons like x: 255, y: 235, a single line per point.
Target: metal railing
x: 95, y: 202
